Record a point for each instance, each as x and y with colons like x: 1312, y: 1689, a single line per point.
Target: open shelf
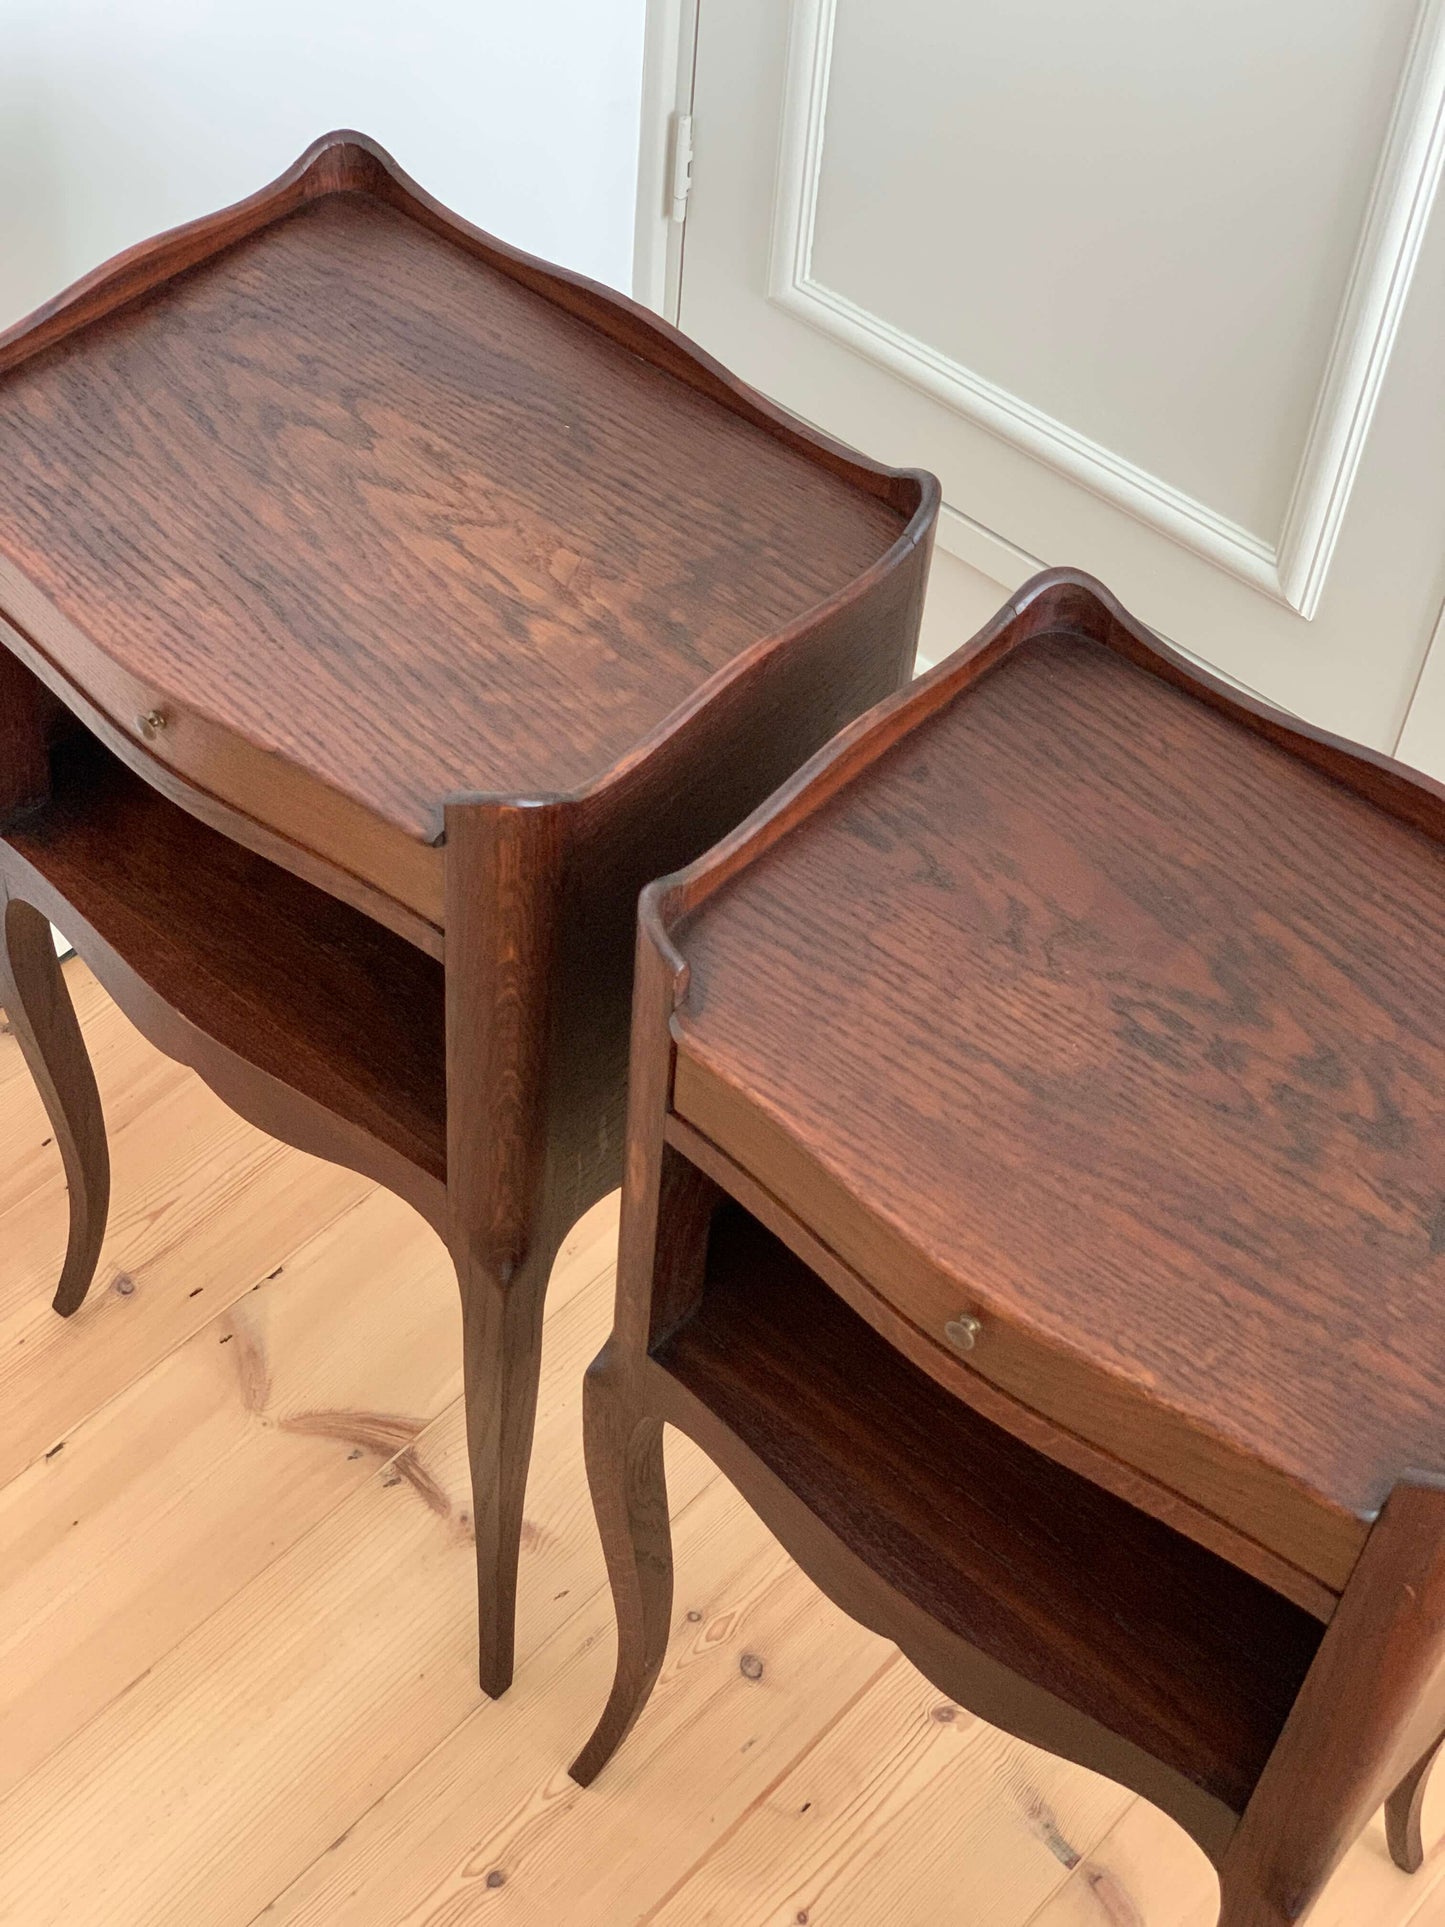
x: 1145, y: 1631
x: 297, y: 983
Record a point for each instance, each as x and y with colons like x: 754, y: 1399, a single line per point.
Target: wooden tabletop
x: 373, y: 500
x: 1089, y: 1012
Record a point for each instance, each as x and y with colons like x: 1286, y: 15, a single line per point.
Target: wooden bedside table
x: 1035, y: 1205
x: 379, y: 609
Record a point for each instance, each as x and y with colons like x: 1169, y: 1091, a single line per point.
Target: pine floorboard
x: 236, y: 1638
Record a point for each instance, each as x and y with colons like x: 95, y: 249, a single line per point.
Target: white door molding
x: 1421, y: 741
x: 668, y: 53
x: 1291, y: 568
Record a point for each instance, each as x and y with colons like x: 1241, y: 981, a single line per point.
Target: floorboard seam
x: 893, y: 1658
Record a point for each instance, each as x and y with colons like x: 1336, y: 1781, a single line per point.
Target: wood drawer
x: 1059, y: 1400
x: 235, y: 787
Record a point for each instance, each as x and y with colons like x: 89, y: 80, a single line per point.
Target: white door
x: 1153, y: 285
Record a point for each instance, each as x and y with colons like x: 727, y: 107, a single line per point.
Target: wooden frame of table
x: 380, y: 608
x: 904, y: 1184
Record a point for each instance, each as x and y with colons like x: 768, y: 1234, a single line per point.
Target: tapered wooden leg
x: 1248, y: 1910
x: 32, y: 989
x: 1402, y: 1814
x: 502, y: 1355
x: 629, y: 1494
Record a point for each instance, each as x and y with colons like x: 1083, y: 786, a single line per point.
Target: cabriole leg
x: 33, y: 991
x: 1403, y: 1811
x: 629, y: 1494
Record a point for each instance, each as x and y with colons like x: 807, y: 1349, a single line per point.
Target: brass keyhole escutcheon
x: 151, y: 723
x: 962, y: 1332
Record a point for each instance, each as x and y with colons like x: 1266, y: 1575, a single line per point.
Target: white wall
x: 122, y: 117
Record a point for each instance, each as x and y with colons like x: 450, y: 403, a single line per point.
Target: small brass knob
x: 151, y: 724
x: 962, y: 1332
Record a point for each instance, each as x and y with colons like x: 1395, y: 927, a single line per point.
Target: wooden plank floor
x: 236, y: 1637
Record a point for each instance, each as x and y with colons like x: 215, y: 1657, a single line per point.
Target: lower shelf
x: 1148, y: 1633
x: 310, y: 991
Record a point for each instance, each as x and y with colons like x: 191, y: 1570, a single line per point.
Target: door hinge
x: 681, y: 164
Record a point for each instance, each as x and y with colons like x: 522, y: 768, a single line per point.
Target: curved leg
x: 629, y: 1493
x: 1402, y: 1814
x: 32, y: 989
x: 502, y: 1357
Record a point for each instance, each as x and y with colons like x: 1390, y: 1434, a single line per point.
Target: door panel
x: 1076, y: 315
x: 1154, y: 288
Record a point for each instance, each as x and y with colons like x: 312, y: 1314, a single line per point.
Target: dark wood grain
x: 622, y: 1438
x: 401, y: 886
x: 1092, y: 1461
x: 368, y: 520
x: 1372, y: 1706
x: 1404, y: 1814
x: 507, y: 1215
x: 314, y: 996
x: 33, y: 992
x: 1146, y: 1041
x: 25, y: 710
x: 540, y: 932
x: 628, y: 1481
x: 324, y: 1027
x: 1048, y: 1574
x: 1068, y: 991
x: 412, y: 604
x: 393, y: 484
